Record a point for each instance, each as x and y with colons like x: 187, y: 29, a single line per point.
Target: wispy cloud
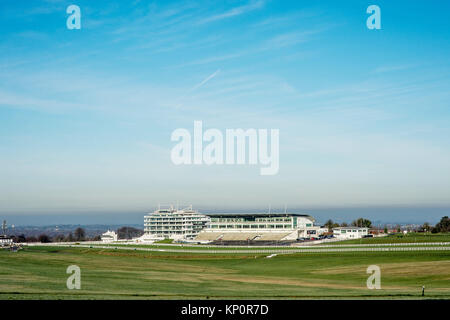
x: 279, y: 41
x: 384, y: 69
x: 213, y: 59
x: 286, y: 19
x: 254, y: 5
x: 288, y: 39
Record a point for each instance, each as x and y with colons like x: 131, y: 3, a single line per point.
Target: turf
x: 40, y: 273
x: 400, y: 238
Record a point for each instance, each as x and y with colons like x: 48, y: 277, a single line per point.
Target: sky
x: 86, y: 115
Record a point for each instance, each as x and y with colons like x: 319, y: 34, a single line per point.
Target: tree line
x: 441, y: 227
x: 360, y: 222
x: 78, y: 235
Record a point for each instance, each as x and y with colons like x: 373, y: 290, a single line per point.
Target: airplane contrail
x: 205, y: 80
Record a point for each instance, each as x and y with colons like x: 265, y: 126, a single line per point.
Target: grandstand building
x: 174, y: 224
x: 258, y: 228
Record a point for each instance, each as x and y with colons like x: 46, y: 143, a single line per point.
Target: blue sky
x: 86, y: 115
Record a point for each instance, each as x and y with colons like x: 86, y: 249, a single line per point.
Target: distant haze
x: 379, y: 216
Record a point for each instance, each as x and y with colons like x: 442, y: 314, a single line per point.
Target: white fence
x: 257, y: 251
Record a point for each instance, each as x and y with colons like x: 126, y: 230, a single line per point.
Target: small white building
x: 350, y: 232
x: 322, y: 230
x: 109, y: 236
x: 147, y: 239
x: 5, y: 240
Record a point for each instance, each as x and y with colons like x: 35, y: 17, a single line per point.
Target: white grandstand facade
x: 171, y: 223
x: 258, y: 227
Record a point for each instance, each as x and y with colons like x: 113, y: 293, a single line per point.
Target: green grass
x: 40, y: 273
x: 400, y: 238
x: 165, y: 241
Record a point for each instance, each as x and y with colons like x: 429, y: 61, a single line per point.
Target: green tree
x: 443, y: 225
x: 69, y: 237
x: 79, y: 234
x: 129, y: 232
x: 43, y: 238
x: 59, y: 238
x: 361, y: 222
x: 21, y: 238
x: 329, y: 224
x: 32, y: 239
x: 426, y: 227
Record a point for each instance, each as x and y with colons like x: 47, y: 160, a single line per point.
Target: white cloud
x: 254, y: 5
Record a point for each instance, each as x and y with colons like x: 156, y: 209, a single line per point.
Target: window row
x: 252, y: 226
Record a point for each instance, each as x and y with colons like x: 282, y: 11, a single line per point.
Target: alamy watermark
x: 374, y: 20
x: 74, y: 20
x: 374, y: 280
x: 74, y: 281
x: 234, y: 150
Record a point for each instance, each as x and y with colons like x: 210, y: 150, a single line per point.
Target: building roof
x: 109, y: 233
x: 258, y: 215
x: 174, y: 213
x: 339, y: 228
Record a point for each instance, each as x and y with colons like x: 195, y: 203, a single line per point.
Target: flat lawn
x: 40, y: 273
x: 165, y: 241
x: 400, y: 238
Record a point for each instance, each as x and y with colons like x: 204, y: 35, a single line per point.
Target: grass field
x: 400, y: 238
x: 40, y: 273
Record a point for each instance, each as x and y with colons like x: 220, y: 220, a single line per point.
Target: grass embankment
x: 401, y: 238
